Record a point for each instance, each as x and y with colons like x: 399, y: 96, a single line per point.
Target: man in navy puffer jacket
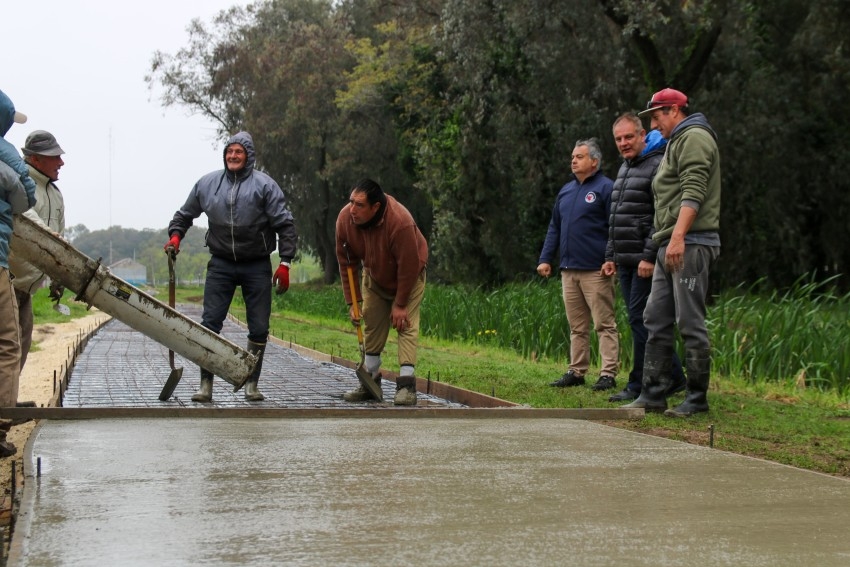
x: 631, y: 250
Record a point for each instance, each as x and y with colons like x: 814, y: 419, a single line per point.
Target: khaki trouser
x: 590, y: 295
x: 377, y: 311
x: 10, y: 342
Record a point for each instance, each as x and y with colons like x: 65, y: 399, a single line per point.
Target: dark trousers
x: 255, y: 279
x: 25, y: 320
x: 635, y: 294
x: 678, y: 299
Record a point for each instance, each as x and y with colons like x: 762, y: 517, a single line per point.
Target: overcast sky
x: 76, y: 68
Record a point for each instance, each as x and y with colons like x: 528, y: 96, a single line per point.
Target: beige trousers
x: 590, y: 295
x: 377, y: 311
x: 10, y: 342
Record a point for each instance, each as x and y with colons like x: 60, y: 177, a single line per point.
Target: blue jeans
x: 255, y: 279
x: 635, y: 293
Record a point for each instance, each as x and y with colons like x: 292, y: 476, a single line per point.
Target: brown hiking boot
x: 361, y: 394
x: 405, y: 394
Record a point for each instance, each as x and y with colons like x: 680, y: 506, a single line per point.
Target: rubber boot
x: 204, y: 393
x: 657, y: 378
x: 698, y: 368
x: 678, y: 382
x: 7, y: 448
x: 252, y: 394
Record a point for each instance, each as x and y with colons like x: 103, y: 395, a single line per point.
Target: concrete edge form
x: 293, y: 413
x: 24, y: 504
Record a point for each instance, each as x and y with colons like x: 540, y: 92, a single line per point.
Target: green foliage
x: 43, y: 311
x: 467, y: 111
x: 787, y: 339
x: 146, y: 247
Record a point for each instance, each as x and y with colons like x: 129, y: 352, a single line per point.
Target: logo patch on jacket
x: 590, y: 197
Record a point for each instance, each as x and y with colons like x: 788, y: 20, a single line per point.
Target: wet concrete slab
x: 412, y: 492
x: 238, y: 483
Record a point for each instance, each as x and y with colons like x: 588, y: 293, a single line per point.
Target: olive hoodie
x: 689, y: 171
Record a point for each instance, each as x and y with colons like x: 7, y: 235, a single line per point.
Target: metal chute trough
x: 96, y: 286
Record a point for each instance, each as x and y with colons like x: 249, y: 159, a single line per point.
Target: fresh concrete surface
x: 441, y: 491
x: 177, y: 483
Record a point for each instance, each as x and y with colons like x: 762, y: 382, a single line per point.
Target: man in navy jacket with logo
x: 579, y: 230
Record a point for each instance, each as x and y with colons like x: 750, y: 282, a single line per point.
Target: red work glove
x: 281, y: 278
x: 173, y: 244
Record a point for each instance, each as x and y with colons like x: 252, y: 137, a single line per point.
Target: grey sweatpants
x: 678, y: 299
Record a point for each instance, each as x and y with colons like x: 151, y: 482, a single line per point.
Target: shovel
x: 363, y: 375
x: 56, y: 295
x: 63, y: 309
x: 176, y: 373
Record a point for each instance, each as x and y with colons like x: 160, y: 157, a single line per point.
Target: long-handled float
x: 96, y: 286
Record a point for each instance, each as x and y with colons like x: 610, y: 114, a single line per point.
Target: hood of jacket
x: 7, y: 113
x: 654, y: 141
x: 655, y: 145
x: 245, y: 140
x: 696, y: 120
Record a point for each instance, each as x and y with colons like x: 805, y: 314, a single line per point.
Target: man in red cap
x: 686, y: 189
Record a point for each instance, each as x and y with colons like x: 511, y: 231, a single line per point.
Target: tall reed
x: 795, y: 336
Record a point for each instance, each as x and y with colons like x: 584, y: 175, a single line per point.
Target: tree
x: 74, y: 232
x: 468, y: 112
x: 274, y: 70
x: 651, y: 26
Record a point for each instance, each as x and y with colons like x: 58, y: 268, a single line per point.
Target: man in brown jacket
x: 377, y: 236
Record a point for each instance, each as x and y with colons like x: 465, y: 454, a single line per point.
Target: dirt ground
x: 54, y: 343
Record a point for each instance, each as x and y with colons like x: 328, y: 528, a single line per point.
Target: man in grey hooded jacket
x: 248, y: 217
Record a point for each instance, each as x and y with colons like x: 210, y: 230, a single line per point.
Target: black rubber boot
x: 657, y: 378
x: 204, y: 393
x: 698, y: 370
x: 252, y: 394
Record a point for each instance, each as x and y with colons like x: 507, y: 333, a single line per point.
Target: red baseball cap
x: 665, y: 97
